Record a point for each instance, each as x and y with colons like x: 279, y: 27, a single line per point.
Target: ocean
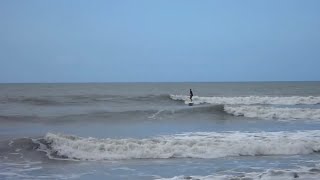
x: 247, y: 130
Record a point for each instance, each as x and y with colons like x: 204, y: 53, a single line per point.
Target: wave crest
x: 273, y: 112
x: 188, y: 145
x: 250, y: 100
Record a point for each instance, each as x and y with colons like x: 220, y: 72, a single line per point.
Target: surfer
x: 191, y: 95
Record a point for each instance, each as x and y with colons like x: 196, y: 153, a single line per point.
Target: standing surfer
x: 191, y: 95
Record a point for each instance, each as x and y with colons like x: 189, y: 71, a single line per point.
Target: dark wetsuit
x: 191, y: 94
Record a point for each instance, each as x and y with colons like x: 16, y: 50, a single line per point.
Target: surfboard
x: 190, y: 103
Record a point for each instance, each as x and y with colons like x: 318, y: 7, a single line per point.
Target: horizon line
x: 119, y: 82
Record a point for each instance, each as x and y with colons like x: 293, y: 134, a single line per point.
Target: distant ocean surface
x: 139, y: 131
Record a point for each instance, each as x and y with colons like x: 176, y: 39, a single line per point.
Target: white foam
x: 273, y: 112
x: 189, y: 145
x: 267, y: 175
x: 153, y: 116
x: 302, y: 172
x: 248, y: 100
x: 30, y: 170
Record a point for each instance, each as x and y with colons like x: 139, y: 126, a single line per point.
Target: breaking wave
x: 256, y: 106
x: 264, y: 112
x: 249, y: 100
x: 188, y: 145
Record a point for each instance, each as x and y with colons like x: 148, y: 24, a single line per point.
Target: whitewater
x: 188, y: 145
x: 148, y: 131
x: 248, y: 100
x: 259, y: 106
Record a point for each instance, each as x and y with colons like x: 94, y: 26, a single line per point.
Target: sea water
x: 147, y: 131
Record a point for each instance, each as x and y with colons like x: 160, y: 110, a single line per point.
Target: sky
x: 159, y: 40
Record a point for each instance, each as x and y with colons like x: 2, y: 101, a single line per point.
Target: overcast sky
x: 159, y: 40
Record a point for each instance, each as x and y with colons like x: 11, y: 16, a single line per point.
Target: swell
x: 82, y: 99
x: 146, y: 114
x: 18, y: 118
x: 31, y: 100
x: 142, y: 114
x: 93, y: 98
x: 249, y: 111
x: 205, y: 145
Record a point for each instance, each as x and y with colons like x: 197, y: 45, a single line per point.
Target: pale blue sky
x: 159, y: 40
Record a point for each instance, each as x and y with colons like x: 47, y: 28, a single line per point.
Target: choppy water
x: 147, y: 131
